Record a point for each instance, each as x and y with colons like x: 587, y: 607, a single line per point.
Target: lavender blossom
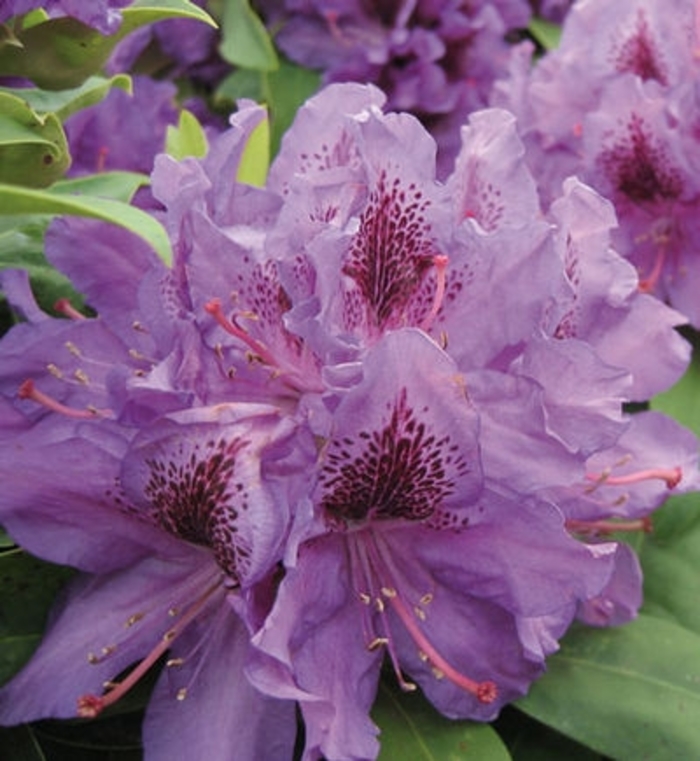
x: 429, y: 378
x: 437, y: 60
x: 622, y: 116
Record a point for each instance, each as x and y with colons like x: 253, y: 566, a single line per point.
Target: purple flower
x: 122, y: 459
x: 409, y: 391
x: 143, y: 118
x: 437, y: 60
x: 623, y: 117
x: 103, y: 15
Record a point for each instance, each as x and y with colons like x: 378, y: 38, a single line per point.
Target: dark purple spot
x: 640, y: 55
x: 638, y: 167
x: 197, y: 499
x: 400, y: 471
x: 391, y: 251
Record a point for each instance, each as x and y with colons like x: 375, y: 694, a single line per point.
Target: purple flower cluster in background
x: 367, y: 416
x: 435, y: 59
x: 623, y: 115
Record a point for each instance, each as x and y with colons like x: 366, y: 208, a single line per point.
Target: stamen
x: 486, y: 691
x: 609, y: 526
x: 672, y: 477
x: 440, y: 261
x: 90, y: 706
x: 213, y: 308
x: 29, y: 391
x: 64, y: 307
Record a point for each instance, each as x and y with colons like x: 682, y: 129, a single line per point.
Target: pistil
x: 671, y: 476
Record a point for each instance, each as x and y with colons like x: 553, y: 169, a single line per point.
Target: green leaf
x: 244, y: 39
x: 413, y: 729
x: 287, y: 89
x: 33, y: 147
x: 5, y: 541
x: 20, y: 744
x: 63, y: 52
x: 27, y: 590
x: 64, y: 103
x: 255, y: 160
x: 670, y: 557
x: 545, y: 33
x: 15, y: 200
x: 118, y: 185
x: 530, y: 740
x: 631, y: 692
x: 187, y: 139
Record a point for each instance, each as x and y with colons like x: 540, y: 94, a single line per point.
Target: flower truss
x: 366, y: 418
x: 437, y: 60
x: 623, y: 116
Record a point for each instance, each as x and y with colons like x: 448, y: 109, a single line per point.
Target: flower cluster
x: 623, y: 116
x: 436, y: 60
x: 366, y: 416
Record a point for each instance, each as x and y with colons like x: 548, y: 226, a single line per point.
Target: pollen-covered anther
x: 64, y: 307
x: 671, y: 476
x: 174, y: 662
x: 181, y: 694
x: 28, y: 390
x: 376, y: 643
x: 134, y: 619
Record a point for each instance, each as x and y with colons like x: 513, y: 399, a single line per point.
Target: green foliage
x: 187, y: 139
x: 244, y: 39
x: 27, y: 590
x: 412, y: 729
x: 64, y: 103
x: 63, y: 52
x: 33, y: 147
x: 15, y: 200
x: 545, y: 33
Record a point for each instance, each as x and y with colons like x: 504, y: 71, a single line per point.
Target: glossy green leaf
x: 413, y: 729
x: 255, y: 160
x: 630, y: 692
x: 27, y: 590
x: 244, y: 39
x: 187, y: 139
x: 63, y: 52
x: 118, y: 185
x: 33, y: 147
x: 15, y: 200
x: 670, y: 558
x: 64, y: 103
x: 530, y: 740
x: 20, y: 744
x: 545, y: 33
x: 287, y: 89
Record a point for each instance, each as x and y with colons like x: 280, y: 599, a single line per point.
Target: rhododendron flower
x: 622, y: 115
x: 408, y: 393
